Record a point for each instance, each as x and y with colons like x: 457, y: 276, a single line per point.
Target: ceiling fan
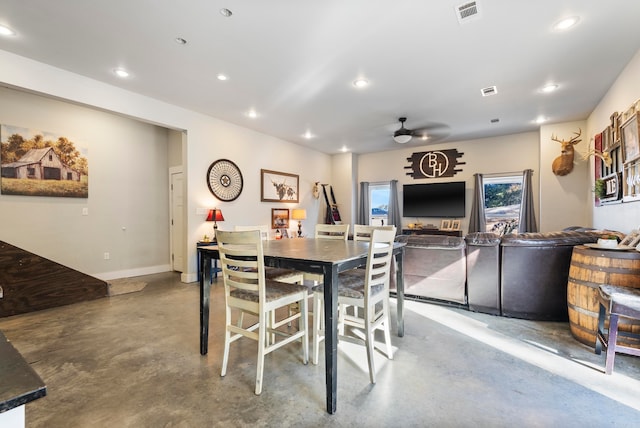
x: 431, y: 132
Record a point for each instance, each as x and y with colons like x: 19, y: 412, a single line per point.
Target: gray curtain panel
x: 364, y: 207
x: 393, y: 216
x: 477, y: 220
x: 527, y: 221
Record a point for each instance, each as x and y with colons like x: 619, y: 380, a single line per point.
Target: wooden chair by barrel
x: 618, y: 303
x: 589, y: 268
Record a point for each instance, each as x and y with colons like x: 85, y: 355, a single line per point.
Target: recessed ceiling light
x: 6, y: 31
x: 424, y: 137
x: 344, y: 149
x: 541, y: 119
x: 225, y: 12
x: 180, y: 41
x: 361, y: 83
x: 121, y: 72
x: 308, y: 135
x: 252, y: 114
x: 221, y: 76
x: 549, y: 88
x: 566, y: 23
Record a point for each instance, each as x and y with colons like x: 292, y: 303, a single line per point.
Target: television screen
x: 434, y: 200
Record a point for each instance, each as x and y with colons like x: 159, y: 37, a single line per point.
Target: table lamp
x: 299, y: 214
x: 215, y: 215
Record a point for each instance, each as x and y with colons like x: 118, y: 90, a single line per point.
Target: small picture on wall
x: 455, y: 225
x: 445, y: 225
x: 41, y: 163
x: 279, y: 218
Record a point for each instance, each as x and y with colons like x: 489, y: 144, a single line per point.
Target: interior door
x: 177, y: 220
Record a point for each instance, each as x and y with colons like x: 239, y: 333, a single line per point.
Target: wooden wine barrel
x: 589, y: 268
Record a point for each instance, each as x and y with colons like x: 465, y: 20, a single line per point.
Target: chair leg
x: 602, y: 315
x: 262, y: 343
x: 317, y: 325
x: 611, y: 343
x: 227, y: 342
x: 303, y: 325
x: 369, y: 332
x: 387, y: 329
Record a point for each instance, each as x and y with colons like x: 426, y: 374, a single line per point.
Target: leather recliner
x: 483, y: 272
x: 435, y: 267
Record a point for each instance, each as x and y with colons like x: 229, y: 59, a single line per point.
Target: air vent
x: 490, y: 90
x: 495, y: 120
x: 467, y: 11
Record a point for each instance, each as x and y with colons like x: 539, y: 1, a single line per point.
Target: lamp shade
x: 298, y: 214
x: 215, y: 215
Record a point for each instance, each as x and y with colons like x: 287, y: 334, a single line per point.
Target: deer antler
x: 606, y: 158
x: 573, y: 140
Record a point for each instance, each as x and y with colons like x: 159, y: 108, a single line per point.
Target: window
x: 502, y: 199
x: 379, y: 198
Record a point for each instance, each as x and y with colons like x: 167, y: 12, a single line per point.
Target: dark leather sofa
x: 517, y: 275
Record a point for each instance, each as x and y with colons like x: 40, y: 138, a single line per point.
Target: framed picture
x: 455, y: 224
x: 445, y: 225
x: 631, y: 239
x: 278, y: 186
x: 279, y: 218
x: 630, y: 144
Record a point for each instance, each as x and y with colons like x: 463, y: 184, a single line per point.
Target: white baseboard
x: 128, y: 273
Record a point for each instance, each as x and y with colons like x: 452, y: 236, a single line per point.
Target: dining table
x: 328, y: 257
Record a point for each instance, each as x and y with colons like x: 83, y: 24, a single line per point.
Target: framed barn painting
x: 41, y: 163
x: 278, y: 186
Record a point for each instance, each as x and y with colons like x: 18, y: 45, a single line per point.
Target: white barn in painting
x: 40, y: 164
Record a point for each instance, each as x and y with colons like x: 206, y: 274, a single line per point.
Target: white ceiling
x: 294, y: 61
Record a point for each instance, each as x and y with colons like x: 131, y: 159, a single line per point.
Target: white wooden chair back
x: 362, y: 232
x: 379, y: 260
x: 332, y: 231
x: 263, y: 228
x: 242, y: 261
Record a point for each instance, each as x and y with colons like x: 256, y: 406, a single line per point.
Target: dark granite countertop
x: 19, y: 383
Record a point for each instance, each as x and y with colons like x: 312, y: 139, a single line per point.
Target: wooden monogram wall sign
x: 434, y: 164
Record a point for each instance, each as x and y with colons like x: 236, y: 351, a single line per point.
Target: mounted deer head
x: 563, y: 164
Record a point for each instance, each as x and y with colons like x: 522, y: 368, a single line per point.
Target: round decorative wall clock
x: 224, y: 180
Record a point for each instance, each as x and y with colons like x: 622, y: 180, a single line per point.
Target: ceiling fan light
x: 402, y: 137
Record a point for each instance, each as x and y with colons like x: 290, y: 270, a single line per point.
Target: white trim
x: 128, y: 273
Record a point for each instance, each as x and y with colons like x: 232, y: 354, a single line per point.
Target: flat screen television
x: 434, y: 200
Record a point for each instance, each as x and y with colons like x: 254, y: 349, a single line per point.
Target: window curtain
x: 527, y: 220
x: 393, y: 214
x: 477, y: 220
x: 365, y: 205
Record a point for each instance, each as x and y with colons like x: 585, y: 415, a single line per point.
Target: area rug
x: 125, y: 285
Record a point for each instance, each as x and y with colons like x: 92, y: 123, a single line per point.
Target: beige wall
x: 128, y: 196
x: 563, y: 199
x: 490, y: 155
x: 624, y: 92
x: 207, y: 139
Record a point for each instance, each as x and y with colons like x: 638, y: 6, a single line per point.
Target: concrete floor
x: 133, y: 361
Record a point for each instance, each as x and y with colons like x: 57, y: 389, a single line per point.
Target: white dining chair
x: 248, y: 291
x: 370, y: 293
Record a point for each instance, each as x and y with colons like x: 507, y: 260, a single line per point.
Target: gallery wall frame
x: 279, y: 218
x: 630, y: 142
x: 278, y: 186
